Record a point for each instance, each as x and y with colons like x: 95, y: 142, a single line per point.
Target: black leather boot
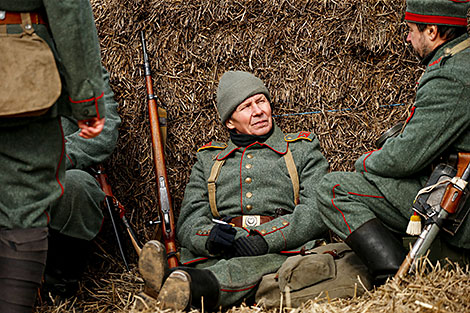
x: 187, y: 286
x: 23, y: 255
x: 378, y: 248
x: 67, y: 259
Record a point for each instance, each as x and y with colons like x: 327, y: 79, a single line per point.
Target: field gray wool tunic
x: 253, y: 181
x: 387, y: 180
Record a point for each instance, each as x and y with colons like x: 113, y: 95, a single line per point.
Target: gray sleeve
x: 439, y: 117
x: 73, y: 28
x: 81, y: 152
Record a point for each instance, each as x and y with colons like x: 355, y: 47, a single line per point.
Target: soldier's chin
x: 263, y: 130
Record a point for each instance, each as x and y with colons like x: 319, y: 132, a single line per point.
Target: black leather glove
x: 221, y: 238
x: 252, y: 245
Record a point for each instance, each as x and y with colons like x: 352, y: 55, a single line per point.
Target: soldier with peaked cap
x: 248, y: 205
x: 369, y: 207
x: 50, y: 67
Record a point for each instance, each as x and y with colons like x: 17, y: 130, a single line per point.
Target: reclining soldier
x: 248, y: 206
x: 372, y: 206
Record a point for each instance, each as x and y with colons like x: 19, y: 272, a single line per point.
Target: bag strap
x: 215, y: 171
x: 26, y: 23
x: 457, y: 48
x: 211, y: 186
x: 294, y: 177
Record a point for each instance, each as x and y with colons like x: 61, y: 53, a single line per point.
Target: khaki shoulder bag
x: 29, y: 81
x: 332, y: 271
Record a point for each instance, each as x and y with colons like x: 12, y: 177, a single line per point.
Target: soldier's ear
x: 432, y: 32
x: 229, y: 124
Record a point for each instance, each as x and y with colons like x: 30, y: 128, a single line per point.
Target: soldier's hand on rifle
x: 221, y: 237
x: 91, y: 127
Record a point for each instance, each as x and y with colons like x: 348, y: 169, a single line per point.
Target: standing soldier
x: 247, y: 207
x: 370, y: 207
x: 76, y: 218
x: 50, y: 66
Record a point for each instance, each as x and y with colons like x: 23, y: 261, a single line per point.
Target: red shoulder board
x: 298, y: 136
x: 213, y: 145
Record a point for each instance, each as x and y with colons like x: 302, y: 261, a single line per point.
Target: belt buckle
x: 3, y: 14
x: 251, y: 220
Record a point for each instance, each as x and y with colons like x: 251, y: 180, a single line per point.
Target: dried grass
x: 432, y: 289
x: 345, y: 61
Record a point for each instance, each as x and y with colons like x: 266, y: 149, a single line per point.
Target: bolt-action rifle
x: 166, y: 211
x: 450, y: 208
x: 116, y: 211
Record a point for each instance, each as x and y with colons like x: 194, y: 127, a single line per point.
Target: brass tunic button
x: 248, y: 166
x: 285, y: 223
x: 263, y: 232
x: 248, y: 180
x: 249, y: 207
x: 274, y: 228
x: 249, y: 156
x: 249, y: 195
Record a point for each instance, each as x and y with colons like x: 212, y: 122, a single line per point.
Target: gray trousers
x: 239, y: 277
x: 78, y: 212
x: 348, y: 199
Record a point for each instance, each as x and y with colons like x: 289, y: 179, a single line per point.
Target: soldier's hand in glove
x: 221, y: 238
x: 252, y: 245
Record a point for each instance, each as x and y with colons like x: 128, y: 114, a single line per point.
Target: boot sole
x: 176, y: 292
x: 153, y: 266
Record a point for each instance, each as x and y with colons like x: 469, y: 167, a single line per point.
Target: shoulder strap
x: 211, y: 186
x: 294, y: 177
x: 457, y: 48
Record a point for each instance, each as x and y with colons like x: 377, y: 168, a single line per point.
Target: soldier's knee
x: 78, y: 180
x: 327, y: 184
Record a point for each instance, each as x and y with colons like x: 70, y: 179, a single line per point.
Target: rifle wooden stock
x: 453, y: 195
x: 164, y: 198
x: 450, y: 204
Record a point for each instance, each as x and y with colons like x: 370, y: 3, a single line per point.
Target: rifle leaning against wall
x: 116, y: 211
x: 450, y: 209
x: 166, y: 211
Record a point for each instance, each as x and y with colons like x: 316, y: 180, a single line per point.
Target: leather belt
x: 8, y: 17
x: 250, y: 220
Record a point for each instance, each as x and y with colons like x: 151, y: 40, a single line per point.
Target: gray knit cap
x: 234, y: 88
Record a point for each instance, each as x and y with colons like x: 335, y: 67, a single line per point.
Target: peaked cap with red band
x: 438, y: 12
